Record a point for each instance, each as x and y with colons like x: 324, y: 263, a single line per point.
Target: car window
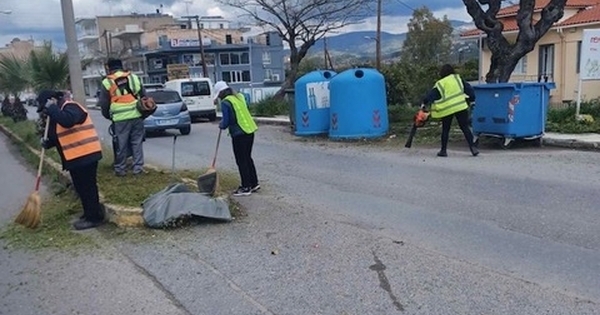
x: 198, y: 88
x: 164, y: 97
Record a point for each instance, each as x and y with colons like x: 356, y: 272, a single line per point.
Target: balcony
x: 131, y: 32
x: 87, y: 36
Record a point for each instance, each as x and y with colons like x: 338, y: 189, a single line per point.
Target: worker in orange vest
x: 73, y: 134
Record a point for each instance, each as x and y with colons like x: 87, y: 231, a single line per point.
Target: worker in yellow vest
x: 449, y: 98
x: 118, y: 98
x: 242, y: 127
x: 72, y: 132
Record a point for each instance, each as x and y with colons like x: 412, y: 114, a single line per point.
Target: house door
x: 546, y: 63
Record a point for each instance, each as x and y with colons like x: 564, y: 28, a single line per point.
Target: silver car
x: 171, y: 112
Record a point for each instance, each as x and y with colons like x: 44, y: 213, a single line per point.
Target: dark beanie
x: 114, y: 64
x: 45, y: 95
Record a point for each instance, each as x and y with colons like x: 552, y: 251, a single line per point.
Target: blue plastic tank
x: 358, y: 105
x: 511, y: 110
x: 312, y: 101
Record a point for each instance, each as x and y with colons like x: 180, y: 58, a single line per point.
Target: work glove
x: 45, y: 143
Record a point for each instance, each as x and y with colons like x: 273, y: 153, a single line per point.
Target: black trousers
x: 85, y: 183
x: 463, y: 122
x: 242, y: 150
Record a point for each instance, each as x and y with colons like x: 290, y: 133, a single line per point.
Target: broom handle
x: 39, y: 172
x: 214, y: 162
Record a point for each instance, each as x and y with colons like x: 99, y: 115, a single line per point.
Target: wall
x: 150, y: 38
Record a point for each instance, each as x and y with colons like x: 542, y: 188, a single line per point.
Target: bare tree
x: 506, y: 55
x: 301, y: 23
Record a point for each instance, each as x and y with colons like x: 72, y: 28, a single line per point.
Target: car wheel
x: 212, y: 117
x: 186, y: 130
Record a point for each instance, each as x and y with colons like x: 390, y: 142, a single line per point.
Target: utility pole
x: 73, y: 51
x: 378, y: 37
x: 325, y: 51
x: 204, y: 71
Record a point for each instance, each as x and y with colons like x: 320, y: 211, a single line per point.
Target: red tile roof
x: 510, y: 24
x: 540, y: 4
x: 589, y: 15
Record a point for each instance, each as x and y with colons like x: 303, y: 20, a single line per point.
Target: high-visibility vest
x: 123, y: 103
x: 242, y: 114
x: 453, y: 98
x: 79, y: 140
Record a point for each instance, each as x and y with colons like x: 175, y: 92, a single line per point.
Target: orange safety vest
x: 115, y: 97
x: 79, y: 140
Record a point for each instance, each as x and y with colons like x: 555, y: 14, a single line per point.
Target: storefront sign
x: 176, y: 42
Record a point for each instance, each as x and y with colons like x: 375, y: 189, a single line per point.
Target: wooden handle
x: 214, y: 162
x: 39, y: 172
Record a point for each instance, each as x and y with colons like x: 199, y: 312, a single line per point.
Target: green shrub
x: 401, y: 113
x: 563, y: 120
x: 270, y: 107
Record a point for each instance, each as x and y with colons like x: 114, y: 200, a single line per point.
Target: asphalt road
x: 345, y: 229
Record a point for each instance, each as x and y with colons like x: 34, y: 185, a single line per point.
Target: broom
x: 31, y: 213
x: 209, y: 182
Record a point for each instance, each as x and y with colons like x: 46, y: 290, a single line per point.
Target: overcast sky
x: 42, y: 20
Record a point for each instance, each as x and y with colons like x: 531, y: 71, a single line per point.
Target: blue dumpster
x: 511, y: 110
x: 358, y: 105
x: 311, y: 103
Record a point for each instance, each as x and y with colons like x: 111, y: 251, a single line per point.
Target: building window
x: 201, y: 25
x: 224, y: 59
x: 268, y: 74
x: 521, y: 67
x: 578, y: 56
x: 221, y: 25
x: 227, y: 59
x: 236, y: 76
x: 266, y: 57
x: 546, y: 62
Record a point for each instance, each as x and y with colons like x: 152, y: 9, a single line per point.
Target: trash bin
x: 289, y: 97
x: 510, y: 111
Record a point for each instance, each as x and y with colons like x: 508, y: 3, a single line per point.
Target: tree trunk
x: 296, y: 55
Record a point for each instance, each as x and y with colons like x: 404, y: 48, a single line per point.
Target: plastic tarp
x: 177, y: 201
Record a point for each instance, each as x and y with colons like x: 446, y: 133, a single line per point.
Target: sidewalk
x: 102, y: 281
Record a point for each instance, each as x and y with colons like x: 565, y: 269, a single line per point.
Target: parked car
x: 171, y: 112
x: 197, y: 93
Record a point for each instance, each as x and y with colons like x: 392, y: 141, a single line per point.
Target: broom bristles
x: 31, y: 213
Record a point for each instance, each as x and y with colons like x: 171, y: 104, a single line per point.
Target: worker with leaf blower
x: 122, y: 100
x: 242, y: 127
x: 449, y: 98
x: 72, y: 132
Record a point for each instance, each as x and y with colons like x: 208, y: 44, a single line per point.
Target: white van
x: 197, y: 96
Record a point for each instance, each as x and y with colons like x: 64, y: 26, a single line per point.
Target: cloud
x: 42, y: 19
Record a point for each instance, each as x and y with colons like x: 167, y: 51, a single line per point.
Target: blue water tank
x: 358, y: 105
x: 311, y: 99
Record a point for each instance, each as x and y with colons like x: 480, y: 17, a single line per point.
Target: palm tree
x: 48, y: 70
x: 14, y: 75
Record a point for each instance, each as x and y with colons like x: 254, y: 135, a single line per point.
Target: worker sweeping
x: 450, y: 97
x: 242, y: 127
x: 72, y: 132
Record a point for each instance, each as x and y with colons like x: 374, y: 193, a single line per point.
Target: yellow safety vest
x: 123, y: 104
x: 453, y: 98
x: 242, y: 114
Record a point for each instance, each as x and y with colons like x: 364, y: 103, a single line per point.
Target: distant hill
x: 362, y: 43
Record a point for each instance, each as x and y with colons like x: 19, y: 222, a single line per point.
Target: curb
x: 571, y: 144
x: 119, y: 215
x: 259, y: 120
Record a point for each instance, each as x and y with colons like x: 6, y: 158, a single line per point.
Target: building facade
x: 253, y: 65
x: 556, y: 56
x: 114, y: 36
